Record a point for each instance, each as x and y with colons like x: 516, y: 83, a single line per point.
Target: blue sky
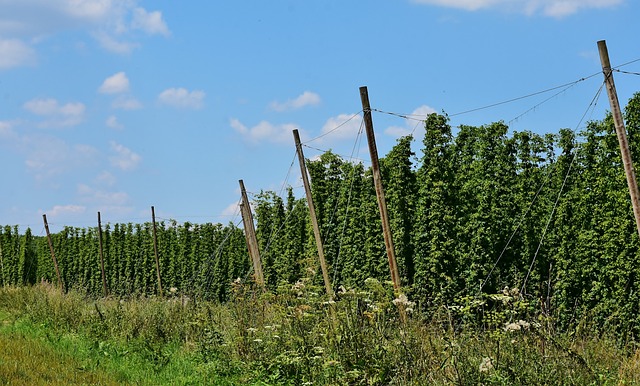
x: 114, y: 106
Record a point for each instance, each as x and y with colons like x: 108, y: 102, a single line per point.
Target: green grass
x: 37, y: 354
x: 294, y: 338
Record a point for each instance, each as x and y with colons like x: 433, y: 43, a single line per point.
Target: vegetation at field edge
x: 296, y: 338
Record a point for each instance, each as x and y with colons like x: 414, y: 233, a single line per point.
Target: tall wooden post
x: 250, y: 236
x: 53, y: 255
x: 155, y: 251
x: 4, y: 280
x: 104, y: 278
x: 377, y: 180
x: 312, y: 212
x: 620, y: 131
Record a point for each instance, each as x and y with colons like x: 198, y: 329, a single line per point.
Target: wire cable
x: 523, y: 217
x: 334, y: 129
x: 555, y: 205
x: 525, y: 96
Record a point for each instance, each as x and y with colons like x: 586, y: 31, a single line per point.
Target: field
x: 517, y: 257
x: 296, y: 338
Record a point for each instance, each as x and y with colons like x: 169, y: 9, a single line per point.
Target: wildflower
x: 486, y: 365
x: 257, y: 340
x: 517, y: 326
x: 513, y: 327
x: 251, y: 329
x: 404, y: 301
x: 298, y: 286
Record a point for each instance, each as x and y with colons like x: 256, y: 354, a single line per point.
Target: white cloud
x: 112, y: 122
x: 6, y: 130
x: 126, y: 103
x: 111, y: 44
x: 265, y: 132
x: 57, y: 115
x: 307, y: 98
x: 124, y: 158
x: 231, y: 210
x: 553, y: 8
x: 48, y: 157
x: 110, y: 22
x: 105, y: 178
x: 15, y: 53
x: 115, y: 84
x: 182, y: 98
x: 102, y: 197
x: 414, y: 124
x: 61, y: 210
x: 149, y: 22
x: 343, y: 126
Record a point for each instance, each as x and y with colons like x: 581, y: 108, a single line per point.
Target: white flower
x: 403, y: 300
x: 486, y: 365
x: 517, y: 326
x: 513, y: 327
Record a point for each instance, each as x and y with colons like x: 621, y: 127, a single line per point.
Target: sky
x: 117, y: 106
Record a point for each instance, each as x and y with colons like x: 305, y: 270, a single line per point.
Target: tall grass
x: 298, y: 337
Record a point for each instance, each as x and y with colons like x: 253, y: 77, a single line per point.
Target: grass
x: 294, y: 338
x: 37, y: 354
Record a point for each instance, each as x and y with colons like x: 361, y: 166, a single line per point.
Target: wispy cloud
x: 62, y: 210
x: 15, y: 53
x: 150, y: 22
x: 307, y: 98
x: 115, y: 84
x: 102, y: 197
x: 551, y: 8
x: 182, y: 98
x: 126, y: 102
x: 57, y: 115
x: 264, y: 132
x: 105, y: 200
x: 112, y: 122
x: 112, y: 23
x: 123, y: 158
x: 111, y: 44
x: 6, y: 130
x: 48, y: 157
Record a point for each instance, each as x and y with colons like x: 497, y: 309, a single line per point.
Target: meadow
x: 295, y: 338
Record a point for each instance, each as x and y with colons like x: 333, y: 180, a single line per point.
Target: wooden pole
x: 155, y: 250
x: 377, y: 180
x: 620, y: 131
x: 104, y: 278
x: 312, y: 212
x: 4, y: 280
x: 250, y: 236
x: 53, y: 255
